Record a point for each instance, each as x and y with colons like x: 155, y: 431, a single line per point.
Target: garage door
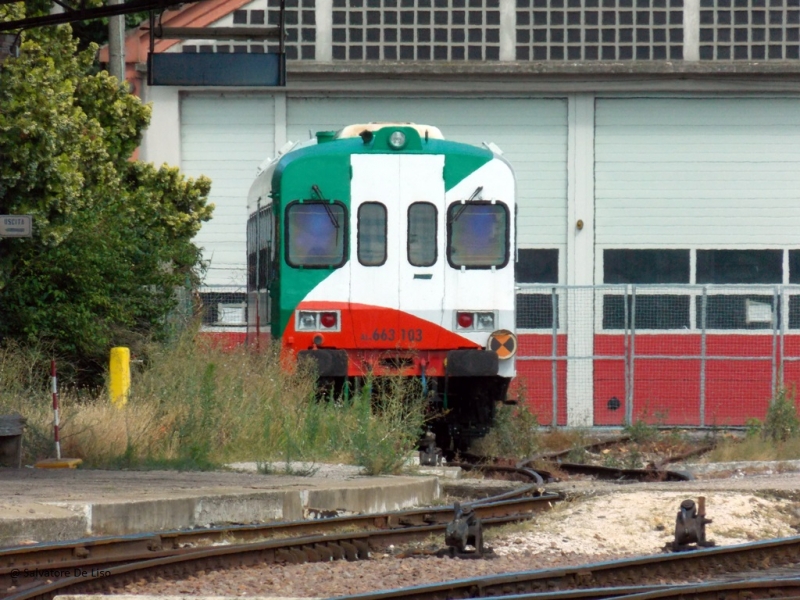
x: 226, y: 137
x: 697, y: 172
x: 694, y: 191
x: 531, y: 132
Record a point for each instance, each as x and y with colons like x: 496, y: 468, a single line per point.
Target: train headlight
x: 306, y: 321
x: 467, y: 320
x: 397, y: 140
x: 484, y: 320
x: 317, y: 320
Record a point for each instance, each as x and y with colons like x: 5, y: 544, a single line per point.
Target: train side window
x: 422, y: 230
x: 316, y: 234
x: 264, y: 243
x: 371, y: 234
x: 477, y: 235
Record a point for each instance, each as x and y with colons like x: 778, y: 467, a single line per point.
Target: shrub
x: 513, y: 434
x: 781, y: 422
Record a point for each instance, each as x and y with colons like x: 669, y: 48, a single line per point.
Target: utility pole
x: 116, y: 44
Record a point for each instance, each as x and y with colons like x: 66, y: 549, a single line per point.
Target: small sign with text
x: 15, y: 226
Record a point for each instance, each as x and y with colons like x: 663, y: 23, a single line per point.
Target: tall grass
x: 514, y: 434
x: 777, y: 437
x: 194, y: 406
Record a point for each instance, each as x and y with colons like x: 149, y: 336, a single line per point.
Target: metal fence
x: 691, y: 355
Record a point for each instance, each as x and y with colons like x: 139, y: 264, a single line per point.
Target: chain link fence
x: 699, y: 355
x: 223, y: 310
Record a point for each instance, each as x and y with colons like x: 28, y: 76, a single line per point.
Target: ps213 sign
x: 15, y: 226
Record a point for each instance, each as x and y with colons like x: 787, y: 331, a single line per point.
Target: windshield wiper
x: 463, y: 207
x: 326, y: 204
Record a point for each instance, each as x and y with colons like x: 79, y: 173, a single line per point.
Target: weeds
x: 197, y: 407
x: 390, y: 413
x: 513, y: 435
x: 641, y: 432
x: 777, y: 437
x: 781, y: 422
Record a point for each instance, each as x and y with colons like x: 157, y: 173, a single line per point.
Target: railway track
x: 578, y: 582
x: 42, y: 570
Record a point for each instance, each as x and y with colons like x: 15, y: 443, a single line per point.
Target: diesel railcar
x: 385, y: 250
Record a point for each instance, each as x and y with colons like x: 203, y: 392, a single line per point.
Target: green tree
x: 112, y: 238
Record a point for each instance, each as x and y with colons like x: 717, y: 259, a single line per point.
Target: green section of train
x: 323, y: 172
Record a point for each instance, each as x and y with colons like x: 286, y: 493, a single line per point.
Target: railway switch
x: 465, y: 530
x: 690, y: 526
x: 430, y: 455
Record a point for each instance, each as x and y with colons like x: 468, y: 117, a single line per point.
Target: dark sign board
x: 211, y: 68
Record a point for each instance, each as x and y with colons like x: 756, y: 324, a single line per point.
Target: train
x: 384, y: 249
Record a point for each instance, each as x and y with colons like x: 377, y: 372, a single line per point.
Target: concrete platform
x: 38, y: 505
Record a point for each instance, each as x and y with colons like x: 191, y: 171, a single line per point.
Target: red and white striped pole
x: 54, y: 389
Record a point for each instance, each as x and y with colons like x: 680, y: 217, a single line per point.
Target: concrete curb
x: 154, y: 597
x: 56, y: 521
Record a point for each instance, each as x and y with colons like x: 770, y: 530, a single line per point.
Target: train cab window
x: 422, y: 234
x: 372, y: 234
x: 316, y: 234
x: 477, y: 235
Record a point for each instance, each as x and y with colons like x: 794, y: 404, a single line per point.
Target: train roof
x: 261, y: 188
x: 352, y: 131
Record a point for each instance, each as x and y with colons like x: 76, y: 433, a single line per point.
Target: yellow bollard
x: 119, y: 376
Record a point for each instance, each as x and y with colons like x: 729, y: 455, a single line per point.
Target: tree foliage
x: 111, y: 237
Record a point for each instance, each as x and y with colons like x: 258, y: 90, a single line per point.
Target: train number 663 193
x: 391, y: 335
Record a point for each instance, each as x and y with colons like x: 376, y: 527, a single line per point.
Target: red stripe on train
x: 366, y: 327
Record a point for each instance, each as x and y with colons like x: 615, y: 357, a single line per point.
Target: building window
x: 419, y: 30
x: 739, y: 266
x: 566, y: 30
x: 300, y: 32
x: 749, y: 30
x: 535, y: 311
x: 794, y: 266
x: 657, y: 311
x: 794, y: 312
x: 224, y: 308
x: 372, y: 234
x: 422, y: 237
x: 536, y: 265
x: 645, y: 266
x: 301, y: 28
x: 740, y: 311
x: 652, y: 311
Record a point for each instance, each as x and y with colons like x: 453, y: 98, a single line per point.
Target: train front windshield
x: 477, y: 235
x: 315, y: 234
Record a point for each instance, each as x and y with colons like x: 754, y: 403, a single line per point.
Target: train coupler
x: 430, y: 455
x: 690, y: 526
x: 465, y: 530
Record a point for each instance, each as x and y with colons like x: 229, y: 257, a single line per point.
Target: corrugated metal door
x: 690, y: 175
x: 705, y: 172
x: 531, y: 132
x: 226, y: 137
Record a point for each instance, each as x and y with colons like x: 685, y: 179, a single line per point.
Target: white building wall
x: 161, y: 142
